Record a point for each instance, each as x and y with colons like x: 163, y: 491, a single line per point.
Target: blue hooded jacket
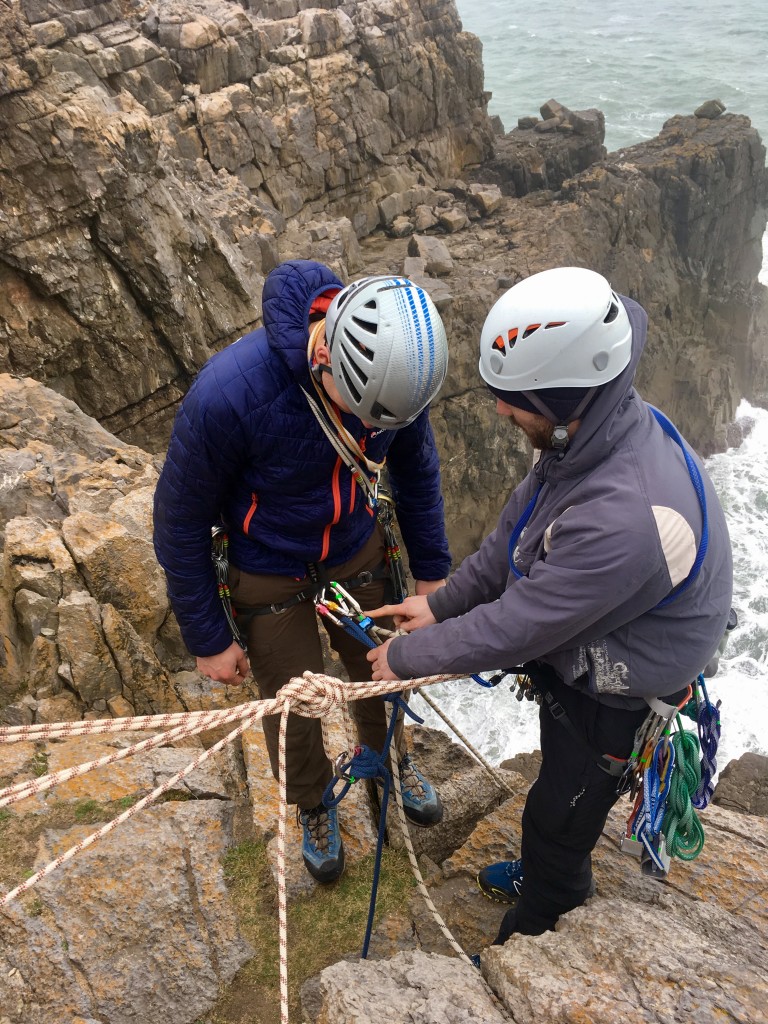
x: 247, y: 449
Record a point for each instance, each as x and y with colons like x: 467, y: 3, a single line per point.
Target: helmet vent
x: 369, y: 326
x: 554, y: 323
x: 380, y: 412
x: 355, y: 343
x: 613, y: 311
x: 351, y: 387
x: 530, y: 329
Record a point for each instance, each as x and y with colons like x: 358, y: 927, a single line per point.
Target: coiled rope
x: 682, y: 829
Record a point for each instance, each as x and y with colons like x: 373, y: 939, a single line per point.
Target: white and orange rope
x: 313, y: 695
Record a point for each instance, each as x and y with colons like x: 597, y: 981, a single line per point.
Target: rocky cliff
x: 156, y: 161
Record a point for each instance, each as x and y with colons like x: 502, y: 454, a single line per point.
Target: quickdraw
x: 668, y: 775
x: 220, y: 558
x: 338, y: 606
x: 385, y: 512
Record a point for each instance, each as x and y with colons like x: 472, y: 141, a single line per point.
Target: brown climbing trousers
x: 287, y: 644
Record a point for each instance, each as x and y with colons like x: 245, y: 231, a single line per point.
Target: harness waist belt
x: 361, y: 580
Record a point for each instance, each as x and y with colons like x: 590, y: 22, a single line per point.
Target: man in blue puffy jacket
x: 281, y: 439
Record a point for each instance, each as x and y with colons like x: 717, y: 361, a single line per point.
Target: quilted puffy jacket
x: 615, y: 529
x: 247, y: 450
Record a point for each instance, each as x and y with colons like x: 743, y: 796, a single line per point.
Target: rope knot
x: 312, y: 695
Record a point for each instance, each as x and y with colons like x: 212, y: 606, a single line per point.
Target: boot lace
x: 410, y: 779
x: 317, y: 825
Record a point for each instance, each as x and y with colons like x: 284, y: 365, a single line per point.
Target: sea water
x: 641, y: 64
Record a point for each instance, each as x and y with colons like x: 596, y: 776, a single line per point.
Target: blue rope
x: 368, y: 764
x: 698, y: 484
x: 708, y: 726
x: 516, y: 533
x: 487, y: 683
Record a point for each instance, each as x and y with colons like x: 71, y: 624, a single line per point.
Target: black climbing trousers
x: 567, y: 808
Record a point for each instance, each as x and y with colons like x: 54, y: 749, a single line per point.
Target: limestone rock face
x: 415, y: 986
x: 676, y: 224
x: 82, y: 598
x: 694, y: 946
x: 159, y: 940
x: 743, y: 785
x: 152, y: 153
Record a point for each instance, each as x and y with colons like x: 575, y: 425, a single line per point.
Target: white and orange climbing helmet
x: 562, y: 328
x: 389, y: 351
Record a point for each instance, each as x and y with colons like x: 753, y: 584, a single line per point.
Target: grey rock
x: 159, y: 941
x: 743, y: 785
x: 710, y: 110
x: 434, y: 252
x: 421, y: 987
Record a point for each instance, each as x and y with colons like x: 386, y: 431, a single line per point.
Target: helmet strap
x: 559, y: 438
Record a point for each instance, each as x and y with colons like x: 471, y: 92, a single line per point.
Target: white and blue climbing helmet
x: 389, y: 350
x: 562, y: 328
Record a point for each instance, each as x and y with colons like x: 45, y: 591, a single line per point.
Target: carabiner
x: 341, y: 764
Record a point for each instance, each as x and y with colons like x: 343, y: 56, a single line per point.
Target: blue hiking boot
x: 421, y: 803
x: 502, y: 882
x: 322, y: 848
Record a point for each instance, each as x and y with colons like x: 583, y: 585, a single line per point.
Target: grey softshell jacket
x: 615, y: 528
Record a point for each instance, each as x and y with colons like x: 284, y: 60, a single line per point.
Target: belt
x: 363, y: 579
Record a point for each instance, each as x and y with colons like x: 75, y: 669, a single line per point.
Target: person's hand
x: 412, y: 614
x: 424, y: 587
x: 378, y: 659
x: 230, y: 667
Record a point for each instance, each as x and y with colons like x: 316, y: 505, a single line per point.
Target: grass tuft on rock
x: 322, y: 928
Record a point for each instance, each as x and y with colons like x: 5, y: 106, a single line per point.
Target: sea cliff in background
x: 156, y: 161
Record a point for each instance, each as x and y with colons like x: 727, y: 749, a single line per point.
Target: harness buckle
x: 364, y: 578
x: 277, y: 609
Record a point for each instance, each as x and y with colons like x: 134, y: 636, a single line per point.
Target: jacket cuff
x: 219, y: 643
x: 439, y: 602
x: 397, y: 665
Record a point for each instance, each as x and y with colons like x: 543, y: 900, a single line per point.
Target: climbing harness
x: 670, y: 772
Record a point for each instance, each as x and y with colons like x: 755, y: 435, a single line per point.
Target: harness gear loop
x: 220, y: 558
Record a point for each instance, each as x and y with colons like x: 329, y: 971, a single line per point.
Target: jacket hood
x: 288, y: 294
x: 615, y: 410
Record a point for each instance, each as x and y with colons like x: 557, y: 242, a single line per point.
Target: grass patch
x: 322, y: 927
x: 89, y: 810
x: 39, y: 763
x: 125, y: 802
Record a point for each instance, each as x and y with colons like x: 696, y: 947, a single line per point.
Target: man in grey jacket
x: 608, y: 576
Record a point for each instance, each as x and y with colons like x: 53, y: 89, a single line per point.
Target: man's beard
x: 539, y: 434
